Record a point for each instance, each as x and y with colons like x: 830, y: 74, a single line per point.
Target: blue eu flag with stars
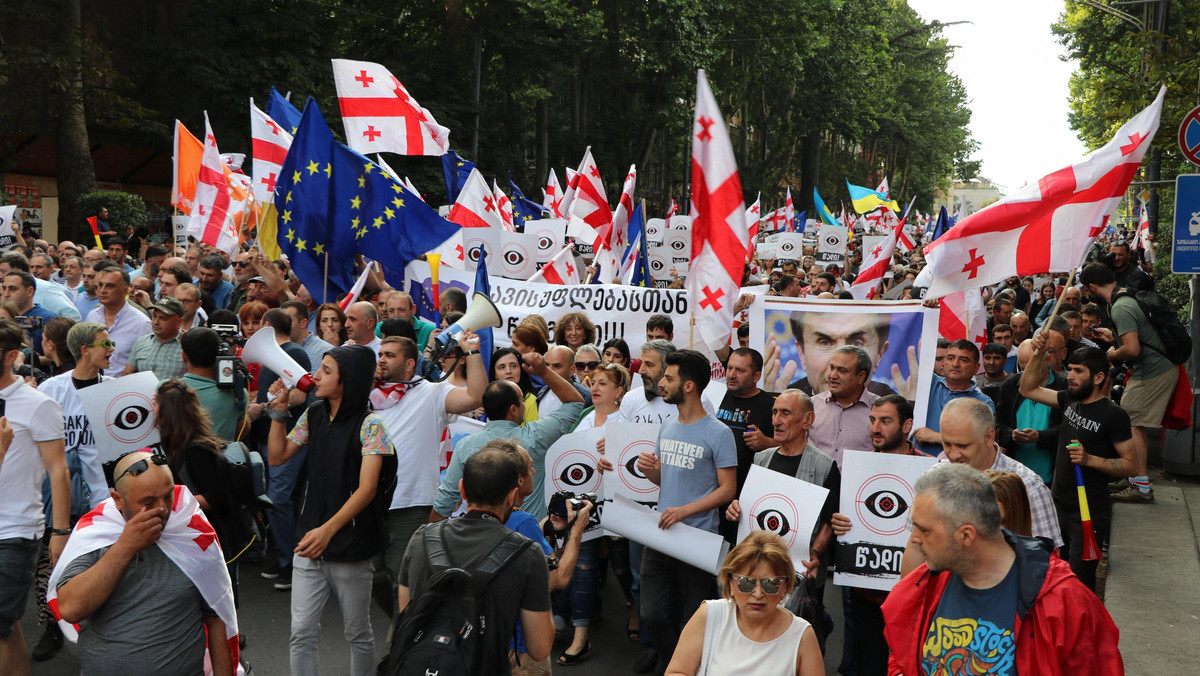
x: 524, y: 209
x: 381, y: 217
x: 455, y: 170
x: 302, y: 198
x: 283, y: 112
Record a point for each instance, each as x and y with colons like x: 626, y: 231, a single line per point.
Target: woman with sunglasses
x: 194, y: 455
x: 752, y: 634
x: 587, y: 360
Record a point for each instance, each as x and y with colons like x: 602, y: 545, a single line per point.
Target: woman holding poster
x: 747, y: 632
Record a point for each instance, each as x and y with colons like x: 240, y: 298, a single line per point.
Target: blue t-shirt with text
x: 690, y: 455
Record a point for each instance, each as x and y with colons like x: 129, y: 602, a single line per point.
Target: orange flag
x: 187, y: 152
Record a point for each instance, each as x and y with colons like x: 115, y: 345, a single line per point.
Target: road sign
x: 1185, y: 256
x: 1189, y: 136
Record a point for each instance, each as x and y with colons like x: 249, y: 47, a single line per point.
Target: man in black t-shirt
x: 747, y: 411
x: 1105, y: 447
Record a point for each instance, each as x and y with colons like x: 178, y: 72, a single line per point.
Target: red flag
x: 719, y: 235
x: 962, y: 315
x: 875, y: 265
x: 560, y: 270
x: 1044, y: 227
x: 476, y: 205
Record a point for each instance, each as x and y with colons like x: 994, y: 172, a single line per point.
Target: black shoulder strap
x: 435, y: 547
x: 491, y: 565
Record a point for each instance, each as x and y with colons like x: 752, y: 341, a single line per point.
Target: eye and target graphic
x: 877, y: 495
x: 518, y: 255
x: 622, y: 447
x: 571, y: 466
x: 121, y: 414
x: 783, y: 505
x: 477, y: 241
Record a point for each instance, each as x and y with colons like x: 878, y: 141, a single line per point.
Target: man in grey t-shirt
x: 695, y: 466
x: 137, y: 612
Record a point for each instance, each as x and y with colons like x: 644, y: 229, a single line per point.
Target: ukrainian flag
x: 866, y: 200
x: 826, y: 215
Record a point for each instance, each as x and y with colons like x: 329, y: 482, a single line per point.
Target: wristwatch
x: 60, y: 531
x: 471, y: 352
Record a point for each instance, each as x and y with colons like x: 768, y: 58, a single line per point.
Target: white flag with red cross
x: 789, y: 212
x: 962, y: 315
x: 752, y: 224
x: 614, y: 238
x: 774, y: 221
x: 1044, y: 227
x: 589, y: 203
x: 476, y: 206
x: 1142, y: 237
x: 381, y: 116
x: 552, y: 195
x: 560, y: 270
x: 504, y: 206
x: 187, y: 539
x: 211, y: 220
x: 719, y: 234
x: 269, y: 145
x: 874, y: 266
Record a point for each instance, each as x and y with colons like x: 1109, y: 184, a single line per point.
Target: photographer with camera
x: 201, y: 348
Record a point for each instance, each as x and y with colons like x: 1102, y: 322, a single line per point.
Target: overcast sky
x: 1016, y: 84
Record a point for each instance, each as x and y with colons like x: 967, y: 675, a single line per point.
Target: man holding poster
x: 695, y: 466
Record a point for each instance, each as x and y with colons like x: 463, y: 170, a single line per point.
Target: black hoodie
x: 334, y: 459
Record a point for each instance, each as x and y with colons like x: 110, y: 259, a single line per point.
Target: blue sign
x: 1185, y: 255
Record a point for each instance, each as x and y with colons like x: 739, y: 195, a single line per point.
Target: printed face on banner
x: 809, y: 334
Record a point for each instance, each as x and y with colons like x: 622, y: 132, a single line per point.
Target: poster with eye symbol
x: 877, y: 496
x: 549, y: 233
x: 518, y: 255
x: 622, y: 446
x: 473, y: 238
x: 571, y: 466
x: 783, y: 505
x: 121, y: 414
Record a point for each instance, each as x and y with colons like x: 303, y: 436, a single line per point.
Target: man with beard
x: 890, y: 422
x: 1095, y: 435
x: 644, y: 404
x: 747, y: 411
x: 694, y: 464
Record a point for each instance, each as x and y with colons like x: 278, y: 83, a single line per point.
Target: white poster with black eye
x: 678, y: 244
x: 877, y: 495
x: 622, y: 445
x: 518, y: 256
x: 661, y: 266
x: 181, y: 236
x: 831, y: 245
x: 476, y: 238
x: 121, y: 414
x: 571, y: 466
x: 681, y: 223
x: 549, y: 233
x: 791, y: 245
x: 655, y: 227
x: 783, y: 505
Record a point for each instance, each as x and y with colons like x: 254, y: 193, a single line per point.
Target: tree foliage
x: 814, y: 92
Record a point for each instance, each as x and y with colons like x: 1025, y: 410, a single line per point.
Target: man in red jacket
x: 988, y: 601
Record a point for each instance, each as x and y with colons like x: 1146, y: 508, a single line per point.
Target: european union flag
x: 382, y: 219
x: 283, y: 112
x: 302, y: 198
x: 823, y: 211
x: 421, y: 302
x: 641, y: 268
x: 800, y: 221
x: 455, y: 170
x: 486, y: 345
x: 524, y: 209
x: 943, y: 224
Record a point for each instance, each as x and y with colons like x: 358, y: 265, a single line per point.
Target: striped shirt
x: 151, y: 354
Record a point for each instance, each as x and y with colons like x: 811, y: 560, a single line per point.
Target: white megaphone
x: 481, y: 314
x: 262, y: 349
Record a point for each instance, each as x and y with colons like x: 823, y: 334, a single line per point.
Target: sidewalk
x: 1153, y: 591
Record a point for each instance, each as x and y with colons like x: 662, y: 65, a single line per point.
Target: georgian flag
x: 719, y: 234
x: 476, y: 206
x: 752, y: 225
x: 504, y: 206
x: 211, y: 220
x: 188, y: 539
x: 589, y: 203
x: 552, y: 195
x: 1142, y: 237
x: 269, y: 144
x: 614, y: 239
x: 962, y: 315
x: 789, y: 213
x: 874, y: 266
x: 381, y: 116
x: 1044, y: 227
x: 560, y: 270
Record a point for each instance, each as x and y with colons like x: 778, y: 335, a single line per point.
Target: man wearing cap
x: 160, y: 351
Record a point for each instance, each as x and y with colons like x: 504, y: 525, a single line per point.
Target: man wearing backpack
x: 1152, y: 376
x: 508, y: 573
x: 349, y: 449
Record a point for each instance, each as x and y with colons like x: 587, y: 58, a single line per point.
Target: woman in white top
x: 609, y: 383
x: 747, y: 632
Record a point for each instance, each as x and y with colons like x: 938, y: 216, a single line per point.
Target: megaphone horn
x: 481, y: 314
x: 262, y: 349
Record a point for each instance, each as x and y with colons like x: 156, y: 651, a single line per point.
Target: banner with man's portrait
x: 798, y: 338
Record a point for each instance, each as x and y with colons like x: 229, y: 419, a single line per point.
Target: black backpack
x: 445, y: 630
x: 1177, y: 344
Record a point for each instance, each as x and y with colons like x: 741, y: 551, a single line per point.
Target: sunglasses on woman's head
x: 746, y: 585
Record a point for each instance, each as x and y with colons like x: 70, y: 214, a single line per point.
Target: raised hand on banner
x: 773, y: 379
x: 907, y: 388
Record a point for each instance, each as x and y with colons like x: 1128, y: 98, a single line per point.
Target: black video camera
x: 230, y: 369
x: 564, y: 498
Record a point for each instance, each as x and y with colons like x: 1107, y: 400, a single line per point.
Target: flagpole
x: 1058, y: 304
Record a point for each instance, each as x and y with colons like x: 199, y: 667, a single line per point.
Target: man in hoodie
x: 349, y: 449
x: 987, y: 600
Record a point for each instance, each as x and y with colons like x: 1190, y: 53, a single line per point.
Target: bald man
x: 561, y: 360
x: 361, y: 318
x: 137, y: 611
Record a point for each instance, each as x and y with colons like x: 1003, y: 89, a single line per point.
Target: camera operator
x: 558, y: 536
x: 201, y: 347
